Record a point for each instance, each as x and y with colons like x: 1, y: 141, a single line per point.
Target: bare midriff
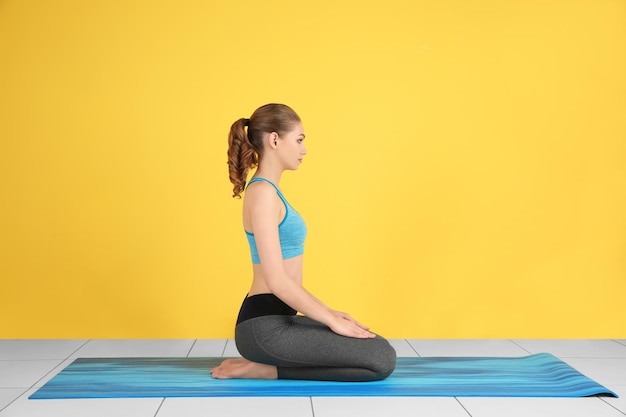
x: 293, y: 269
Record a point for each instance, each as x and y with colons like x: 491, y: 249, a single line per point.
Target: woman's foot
x: 243, y: 368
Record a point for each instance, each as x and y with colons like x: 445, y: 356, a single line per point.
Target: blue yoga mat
x: 540, y: 375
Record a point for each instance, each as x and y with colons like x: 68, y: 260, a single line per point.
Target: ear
x: 272, y: 140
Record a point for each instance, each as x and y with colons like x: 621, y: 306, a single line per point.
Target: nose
x: 303, y: 150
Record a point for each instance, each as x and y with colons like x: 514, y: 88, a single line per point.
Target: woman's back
x: 291, y: 232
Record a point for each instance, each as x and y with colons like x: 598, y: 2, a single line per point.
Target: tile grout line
x: 159, y: 408
x: 45, y: 375
x: 224, y: 350
x: 61, y: 363
x: 191, y: 348
x: 412, y: 348
x: 312, y: 407
x: 462, y: 406
x: 618, y: 342
x: 15, y: 399
x: 35, y: 383
x: 611, y: 405
x: 79, y: 348
x: 520, y: 346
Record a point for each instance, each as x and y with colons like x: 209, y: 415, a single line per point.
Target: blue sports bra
x: 291, y: 230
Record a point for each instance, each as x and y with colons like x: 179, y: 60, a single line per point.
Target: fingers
x: 359, y: 334
x: 362, y: 326
x: 347, y: 326
x: 364, y: 334
x: 351, y: 329
x: 363, y: 331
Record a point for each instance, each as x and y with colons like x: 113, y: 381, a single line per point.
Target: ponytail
x: 241, y: 156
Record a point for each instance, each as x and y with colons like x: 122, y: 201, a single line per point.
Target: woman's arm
x: 264, y: 218
x: 339, y: 314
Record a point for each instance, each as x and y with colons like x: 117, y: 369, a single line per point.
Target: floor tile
x: 466, y: 347
x: 102, y: 348
x: 538, y: 407
x: 572, y: 348
x: 237, y: 407
x: 402, y: 348
x: 231, y: 349
x: 7, y: 395
x: 605, y: 371
x: 208, y: 348
x: 387, y: 406
x: 118, y: 407
x: 23, y: 374
x: 38, y: 349
x: 619, y: 403
x: 600, y: 360
x: 48, y: 376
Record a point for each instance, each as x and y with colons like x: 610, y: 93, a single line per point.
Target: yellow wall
x: 466, y: 174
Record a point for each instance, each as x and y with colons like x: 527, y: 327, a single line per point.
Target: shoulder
x: 261, y: 205
x: 260, y: 188
x: 261, y: 193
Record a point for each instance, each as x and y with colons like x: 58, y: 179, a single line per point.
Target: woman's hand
x: 347, y: 316
x: 345, y: 325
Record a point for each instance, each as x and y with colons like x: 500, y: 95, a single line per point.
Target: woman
x: 321, y: 344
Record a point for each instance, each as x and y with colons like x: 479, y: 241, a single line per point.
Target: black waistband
x: 263, y: 305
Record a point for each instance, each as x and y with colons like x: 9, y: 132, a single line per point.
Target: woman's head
x: 246, y: 146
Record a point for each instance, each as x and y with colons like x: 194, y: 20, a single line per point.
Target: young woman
x: 275, y: 342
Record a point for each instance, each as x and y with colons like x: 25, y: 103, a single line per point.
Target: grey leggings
x: 302, y: 348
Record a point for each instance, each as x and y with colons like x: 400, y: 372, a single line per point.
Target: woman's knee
x: 385, y: 362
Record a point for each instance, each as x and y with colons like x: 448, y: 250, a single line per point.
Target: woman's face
x: 291, y: 147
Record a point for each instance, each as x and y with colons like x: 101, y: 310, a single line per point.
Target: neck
x: 268, y: 172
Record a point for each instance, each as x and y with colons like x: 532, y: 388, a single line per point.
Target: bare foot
x: 243, y: 368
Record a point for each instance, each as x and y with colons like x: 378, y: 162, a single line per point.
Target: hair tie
x: 246, y: 122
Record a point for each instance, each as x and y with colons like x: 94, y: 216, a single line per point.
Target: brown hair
x: 245, y: 148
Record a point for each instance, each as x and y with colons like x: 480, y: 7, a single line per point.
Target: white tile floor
x: 26, y: 365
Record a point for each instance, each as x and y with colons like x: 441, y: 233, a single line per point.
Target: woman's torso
x: 292, y: 266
